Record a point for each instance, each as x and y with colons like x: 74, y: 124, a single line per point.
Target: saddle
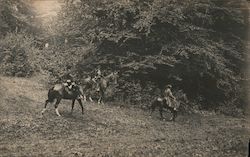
x: 169, y: 103
x: 69, y: 88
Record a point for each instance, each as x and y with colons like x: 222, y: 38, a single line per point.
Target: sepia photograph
x: 124, y: 78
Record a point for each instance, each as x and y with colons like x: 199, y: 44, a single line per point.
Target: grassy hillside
x: 108, y: 130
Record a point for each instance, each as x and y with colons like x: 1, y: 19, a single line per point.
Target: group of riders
x: 168, y: 100
x: 70, y: 83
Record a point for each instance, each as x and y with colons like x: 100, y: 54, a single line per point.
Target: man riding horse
x: 96, y: 83
x: 169, y: 102
x: 169, y: 97
x: 98, y: 72
x: 88, y: 84
x: 69, y: 85
x: 68, y: 90
x: 103, y: 82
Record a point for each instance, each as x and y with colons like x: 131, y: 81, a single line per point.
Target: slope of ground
x: 106, y: 130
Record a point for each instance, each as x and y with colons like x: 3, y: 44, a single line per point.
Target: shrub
x: 18, y: 55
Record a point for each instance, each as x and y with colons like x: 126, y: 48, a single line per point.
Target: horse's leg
x: 100, y: 97
x: 174, y: 113
x: 84, y: 98
x: 161, y: 110
x: 45, y: 105
x: 56, y: 106
x: 80, y: 102
x: 90, y: 98
x: 72, y: 105
x: 103, y: 97
x: 152, y: 108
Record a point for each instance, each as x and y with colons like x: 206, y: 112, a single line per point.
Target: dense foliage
x: 18, y: 55
x: 16, y: 16
x: 17, y: 44
x: 198, y: 46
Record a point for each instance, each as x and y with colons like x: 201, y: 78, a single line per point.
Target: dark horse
x: 103, y: 83
x: 59, y: 92
x: 161, y: 104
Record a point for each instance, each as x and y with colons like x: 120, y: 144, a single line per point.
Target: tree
x: 192, y: 44
x: 15, y: 16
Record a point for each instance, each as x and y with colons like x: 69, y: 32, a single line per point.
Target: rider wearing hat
x: 69, y: 84
x: 98, y: 71
x: 98, y: 74
x: 168, y: 96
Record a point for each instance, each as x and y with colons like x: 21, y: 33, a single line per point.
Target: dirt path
x: 107, y: 130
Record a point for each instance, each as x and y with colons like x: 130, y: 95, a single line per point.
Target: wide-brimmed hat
x: 169, y: 86
x: 68, y: 81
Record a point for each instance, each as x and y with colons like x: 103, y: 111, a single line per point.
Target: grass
x: 106, y: 130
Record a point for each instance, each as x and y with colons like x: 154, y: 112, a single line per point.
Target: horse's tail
x: 154, y: 104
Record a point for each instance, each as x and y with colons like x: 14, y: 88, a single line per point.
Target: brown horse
x: 59, y: 92
x: 161, y: 103
x: 88, y: 85
x: 103, y: 83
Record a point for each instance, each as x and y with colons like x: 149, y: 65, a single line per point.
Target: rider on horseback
x: 169, y: 97
x: 69, y: 85
x: 98, y: 73
x: 97, y: 76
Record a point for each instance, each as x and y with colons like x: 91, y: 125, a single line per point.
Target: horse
x: 103, y: 83
x: 161, y: 103
x: 88, y: 85
x: 60, y: 91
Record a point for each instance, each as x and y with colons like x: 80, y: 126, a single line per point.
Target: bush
x: 18, y: 55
